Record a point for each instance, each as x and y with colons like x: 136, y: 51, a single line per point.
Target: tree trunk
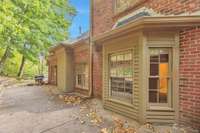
x: 3, y: 58
x: 21, y: 69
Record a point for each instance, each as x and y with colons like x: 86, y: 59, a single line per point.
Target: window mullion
x: 158, y: 93
x: 119, y: 75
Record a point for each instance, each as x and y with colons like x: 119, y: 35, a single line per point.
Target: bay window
x: 121, y: 75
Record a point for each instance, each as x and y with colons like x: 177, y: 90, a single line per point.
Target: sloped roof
x: 168, y: 22
x: 132, y: 18
x: 70, y: 43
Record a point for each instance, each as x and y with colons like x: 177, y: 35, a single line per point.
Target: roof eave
x: 150, y: 22
x: 80, y: 42
x: 58, y: 46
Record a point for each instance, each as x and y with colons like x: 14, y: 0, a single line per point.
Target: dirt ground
x: 40, y: 109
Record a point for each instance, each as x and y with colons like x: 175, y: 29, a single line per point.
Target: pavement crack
x: 56, y: 126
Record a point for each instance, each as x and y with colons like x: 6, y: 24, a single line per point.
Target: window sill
x: 82, y: 88
x: 160, y: 108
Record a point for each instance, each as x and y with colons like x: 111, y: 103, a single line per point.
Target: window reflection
x: 121, y: 80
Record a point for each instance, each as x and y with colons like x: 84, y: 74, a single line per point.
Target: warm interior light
x: 163, y: 67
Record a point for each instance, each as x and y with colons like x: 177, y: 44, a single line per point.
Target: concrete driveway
x: 37, y: 109
x: 32, y: 109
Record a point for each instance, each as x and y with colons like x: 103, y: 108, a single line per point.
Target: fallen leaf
x: 61, y: 97
x: 82, y: 122
x: 104, y: 130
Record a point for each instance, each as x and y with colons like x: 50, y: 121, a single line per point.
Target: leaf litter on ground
x: 71, y: 99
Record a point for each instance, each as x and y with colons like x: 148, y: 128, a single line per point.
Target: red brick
x: 103, y: 21
x: 190, y: 64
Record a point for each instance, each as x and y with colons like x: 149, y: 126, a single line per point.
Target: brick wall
x: 97, y: 71
x: 190, y: 76
x: 81, y: 55
x: 166, y: 7
x: 103, y: 20
x: 173, y: 6
x: 102, y: 16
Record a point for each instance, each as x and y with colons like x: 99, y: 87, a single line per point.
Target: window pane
x: 120, y: 57
x: 79, y: 79
x: 83, y: 80
x: 163, y: 90
x: 128, y: 85
x: 163, y: 83
x: 154, y: 59
x: 113, y: 58
x: 164, y: 70
x: 121, y: 72
x: 113, y: 64
x: 113, y: 72
x: 152, y: 96
x: 81, y: 71
x: 154, y: 51
x: 128, y: 72
x: 164, y: 58
x: 154, y: 69
x: 153, y: 83
x: 159, y: 75
x: 121, y: 81
x: 128, y: 56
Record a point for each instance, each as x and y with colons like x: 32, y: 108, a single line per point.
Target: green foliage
x: 30, y: 69
x: 31, y: 27
x: 12, y: 66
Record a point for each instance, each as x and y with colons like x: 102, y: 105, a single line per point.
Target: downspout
x: 91, y: 44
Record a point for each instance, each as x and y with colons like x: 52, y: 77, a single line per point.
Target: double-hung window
x: 160, y: 72
x: 81, y: 76
x: 121, y: 75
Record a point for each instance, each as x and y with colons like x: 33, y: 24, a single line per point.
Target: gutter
x: 91, y: 48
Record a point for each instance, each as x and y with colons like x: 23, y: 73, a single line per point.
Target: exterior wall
x: 69, y: 81
x: 62, y: 58
x: 104, y: 18
x: 61, y: 69
x: 175, y: 7
x: 97, y: 71
x: 159, y: 113
x: 51, y: 62
x: 190, y: 76
x: 81, y: 55
x: 140, y: 109
x: 128, y: 109
x: 104, y: 15
x: 121, y: 5
x: 166, y: 7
